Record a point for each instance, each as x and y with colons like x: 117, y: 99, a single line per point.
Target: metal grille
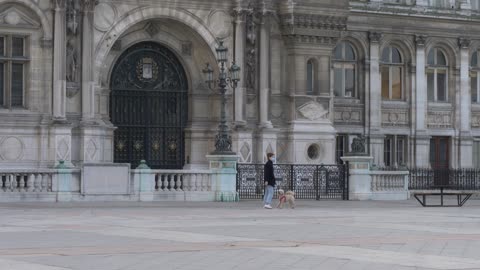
x: 307, y: 181
x: 148, y: 105
x: 456, y: 179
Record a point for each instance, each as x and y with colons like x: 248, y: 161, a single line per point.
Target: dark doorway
x: 148, y: 105
x: 440, y: 152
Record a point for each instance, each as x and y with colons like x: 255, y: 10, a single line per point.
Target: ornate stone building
x: 120, y: 80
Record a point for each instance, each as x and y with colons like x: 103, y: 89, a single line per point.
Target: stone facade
x: 315, y: 74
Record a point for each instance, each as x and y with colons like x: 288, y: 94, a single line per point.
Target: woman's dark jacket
x: 268, y: 175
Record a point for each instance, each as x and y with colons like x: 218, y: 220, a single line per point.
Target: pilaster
x: 375, y: 82
x: 59, y: 66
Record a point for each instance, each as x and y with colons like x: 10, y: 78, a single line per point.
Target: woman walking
x: 269, y: 178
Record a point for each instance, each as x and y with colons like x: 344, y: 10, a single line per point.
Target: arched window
x: 311, y: 76
x: 344, y: 66
x: 392, y: 72
x: 437, y: 76
x: 475, y: 77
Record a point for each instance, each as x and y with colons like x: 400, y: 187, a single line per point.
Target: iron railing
x: 455, y: 179
x: 307, y: 181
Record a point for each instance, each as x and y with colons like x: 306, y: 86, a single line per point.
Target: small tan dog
x: 284, y: 197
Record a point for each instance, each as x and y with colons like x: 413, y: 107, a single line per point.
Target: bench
x: 459, y: 193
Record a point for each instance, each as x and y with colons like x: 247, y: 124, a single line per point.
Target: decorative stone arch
x: 474, y: 47
x: 359, y: 42
x: 405, y: 47
x: 449, y: 48
x: 146, y: 13
x: 46, y: 27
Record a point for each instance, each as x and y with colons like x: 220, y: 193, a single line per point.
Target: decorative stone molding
x: 374, y: 37
x: 348, y: 115
x: 292, y: 39
x: 12, y: 148
x: 420, y: 40
x: 151, y: 28
x: 245, y: 153
x: 291, y: 22
x: 395, y: 116
x: 105, y: 15
x: 475, y: 119
x: 313, y: 111
x: 440, y: 119
x: 17, y: 18
x: 464, y: 43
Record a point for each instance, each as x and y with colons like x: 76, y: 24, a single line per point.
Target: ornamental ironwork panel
x: 314, y: 182
x: 148, y: 105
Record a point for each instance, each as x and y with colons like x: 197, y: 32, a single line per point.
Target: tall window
x: 311, y: 76
x: 13, y: 60
x: 391, y: 71
x: 344, y: 70
x: 475, y: 77
x: 395, y: 151
x: 476, y: 153
x: 341, y: 147
x: 437, y: 72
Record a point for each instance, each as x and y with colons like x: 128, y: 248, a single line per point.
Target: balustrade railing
x: 389, y: 180
x: 18, y: 181
x: 457, y: 179
x: 182, y: 180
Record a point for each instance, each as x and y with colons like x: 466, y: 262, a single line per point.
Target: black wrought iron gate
x: 148, y: 105
x: 307, y: 181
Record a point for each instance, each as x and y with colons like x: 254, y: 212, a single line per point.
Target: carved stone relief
x: 73, y: 47
x: 12, y: 148
x: 313, y: 111
x: 15, y: 17
x: 246, y: 153
x: 396, y: 117
x: 476, y: 120
x: 251, y: 56
x: 440, y: 119
x: 348, y: 115
x: 104, y: 17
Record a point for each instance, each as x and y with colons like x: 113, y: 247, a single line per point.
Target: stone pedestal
x: 60, y: 144
x: 62, y: 182
x: 144, y: 181
x: 359, y: 180
x: 224, y: 177
x: 319, y: 135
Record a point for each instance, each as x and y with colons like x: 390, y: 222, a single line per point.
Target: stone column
x: 465, y: 107
x: 240, y: 40
x: 376, y: 140
x: 59, y: 64
x: 88, y: 95
x: 324, y: 75
x: 422, y: 140
x: 264, y: 71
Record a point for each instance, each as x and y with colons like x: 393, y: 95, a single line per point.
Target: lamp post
x: 226, y: 77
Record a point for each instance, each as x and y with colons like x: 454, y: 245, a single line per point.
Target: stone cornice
x: 313, y: 29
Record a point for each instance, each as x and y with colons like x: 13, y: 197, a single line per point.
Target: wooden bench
x: 450, y: 192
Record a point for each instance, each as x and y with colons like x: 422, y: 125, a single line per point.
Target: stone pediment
x: 13, y: 16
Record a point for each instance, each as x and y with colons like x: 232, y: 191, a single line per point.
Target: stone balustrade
x: 182, y: 180
x: 26, y: 181
x: 389, y: 185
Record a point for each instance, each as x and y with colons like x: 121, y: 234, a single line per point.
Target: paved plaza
x: 326, y: 235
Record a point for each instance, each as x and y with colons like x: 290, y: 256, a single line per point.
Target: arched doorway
x: 148, y: 105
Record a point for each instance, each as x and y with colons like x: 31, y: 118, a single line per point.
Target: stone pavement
x: 330, y: 235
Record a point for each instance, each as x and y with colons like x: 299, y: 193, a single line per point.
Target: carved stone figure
x: 73, y: 41
x: 358, y: 145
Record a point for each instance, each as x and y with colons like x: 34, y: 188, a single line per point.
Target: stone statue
x: 358, y: 145
x: 73, y: 41
x: 72, y: 61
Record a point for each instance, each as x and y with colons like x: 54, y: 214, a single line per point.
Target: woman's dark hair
x: 269, y: 155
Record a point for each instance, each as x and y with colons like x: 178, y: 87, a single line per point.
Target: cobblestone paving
x: 328, y: 235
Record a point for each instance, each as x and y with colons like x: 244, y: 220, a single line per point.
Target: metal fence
x: 456, y: 179
x: 307, y: 181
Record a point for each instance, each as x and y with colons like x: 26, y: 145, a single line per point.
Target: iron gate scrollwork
x: 148, y: 105
x: 307, y: 181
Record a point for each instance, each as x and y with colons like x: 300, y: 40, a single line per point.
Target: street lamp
x: 226, y: 77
